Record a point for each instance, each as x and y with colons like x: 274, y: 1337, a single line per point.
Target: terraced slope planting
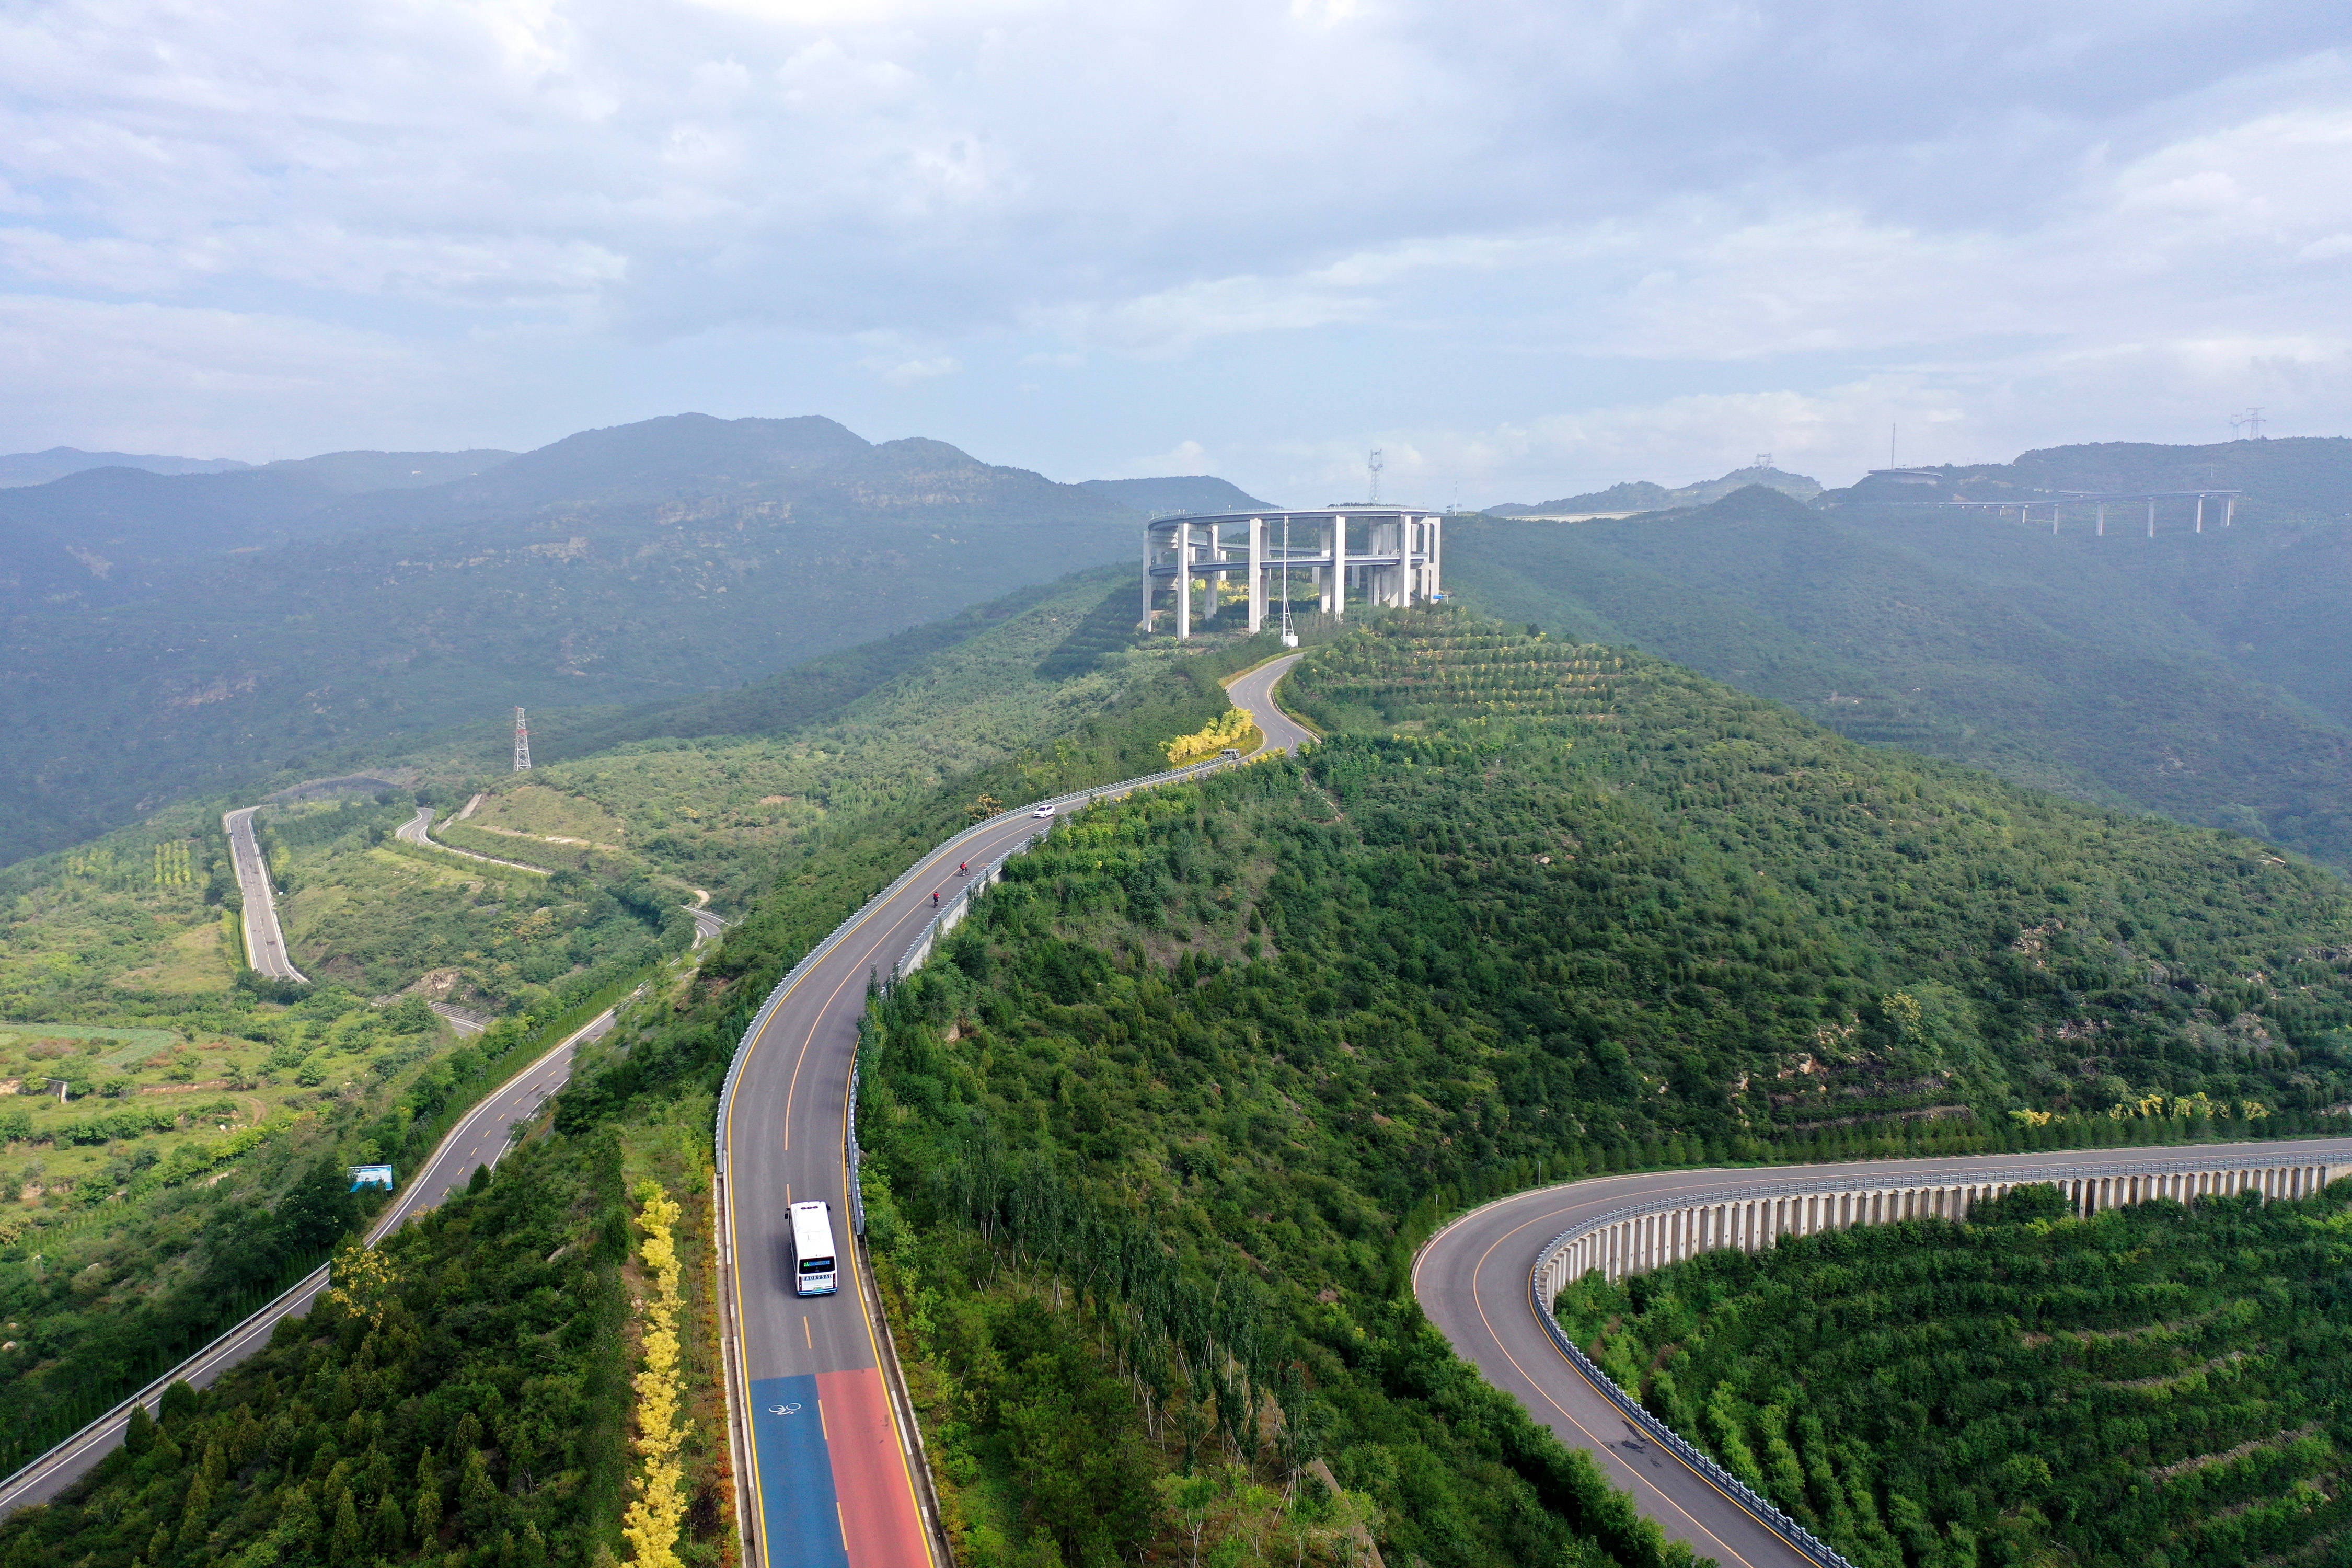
x: 2158, y: 1384
x: 1172, y: 1105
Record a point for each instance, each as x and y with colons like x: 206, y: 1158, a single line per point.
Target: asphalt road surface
x: 264, y: 943
x: 418, y: 830
x: 1472, y: 1281
x: 479, y: 1139
x: 830, y: 1481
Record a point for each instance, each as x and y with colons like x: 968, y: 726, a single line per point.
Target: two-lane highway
x: 264, y: 943
x: 820, y: 1446
x: 481, y: 1137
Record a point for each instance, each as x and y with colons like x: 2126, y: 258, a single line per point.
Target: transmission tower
x: 2251, y: 420
x: 1375, y: 464
x: 1763, y: 460
x: 522, y: 744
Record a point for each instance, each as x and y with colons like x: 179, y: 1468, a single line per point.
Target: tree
x: 343, y: 1545
x: 318, y: 1210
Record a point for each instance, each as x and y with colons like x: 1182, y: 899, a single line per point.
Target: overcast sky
x: 1526, y: 248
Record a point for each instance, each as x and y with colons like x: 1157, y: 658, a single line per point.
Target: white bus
x: 813, y: 1266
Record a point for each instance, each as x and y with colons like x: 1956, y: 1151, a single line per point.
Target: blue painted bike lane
x: 800, y: 1516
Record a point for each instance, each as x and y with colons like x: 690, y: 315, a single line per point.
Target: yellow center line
x: 1479, y: 1300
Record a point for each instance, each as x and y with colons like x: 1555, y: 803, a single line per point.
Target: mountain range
x: 170, y: 633
x: 40, y: 468
x: 2202, y: 675
x: 1641, y: 495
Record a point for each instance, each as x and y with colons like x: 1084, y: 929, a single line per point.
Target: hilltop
x: 2198, y: 675
x: 1190, y: 492
x: 1641, y: 495
x: 2305, y: 476
x: 40, y: 468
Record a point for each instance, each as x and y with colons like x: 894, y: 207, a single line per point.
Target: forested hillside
x: 131, y: 1227
x: 2153, y: 1386
x: 1153, y: 1136
x: 1205, y: 1065
x: 193, y: 634
x: 2198, y: 675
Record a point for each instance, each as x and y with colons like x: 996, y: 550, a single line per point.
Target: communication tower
x: 1375, y: 464
x: 522, y: 744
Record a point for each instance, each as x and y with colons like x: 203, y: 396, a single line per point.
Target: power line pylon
x: 522, y: 744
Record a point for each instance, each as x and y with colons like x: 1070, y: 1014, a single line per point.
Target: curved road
x: 418, y: 830
x: 820, y: 1436
x: 479, y: 1137
x: 264, y: 943
x: 1472, y: 1281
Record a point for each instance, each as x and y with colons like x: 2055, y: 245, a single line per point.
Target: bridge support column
x: 1339, y: 601
x: 1257, y: 576
x: 1183, y: 580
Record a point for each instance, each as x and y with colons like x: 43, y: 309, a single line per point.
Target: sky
x: 1524, y: 249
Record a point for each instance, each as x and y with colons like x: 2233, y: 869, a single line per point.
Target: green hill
x: 2202, y: 676
x: 2155, y: 1384
x: 1641, y: 495
x: 653, y: 564
x: 1153, y: 1136
x: 1536, y: 908
x: 1184, y: 492
x: 130, y: 1225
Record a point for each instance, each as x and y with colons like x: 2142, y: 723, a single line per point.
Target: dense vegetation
x: 1153, y: 1135
x: 647, y: 563
x: 2155, y: 1385
x: 174, y: 1146
x: 2198, y: 675
x: 132, y: 936
x: 1182, y: 1088
x: 467, y: 1391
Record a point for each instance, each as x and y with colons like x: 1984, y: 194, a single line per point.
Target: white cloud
x: 1624, y: 239
x: 907, y: 372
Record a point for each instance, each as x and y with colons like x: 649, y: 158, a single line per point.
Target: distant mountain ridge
x: 1178, y: 493
x: 2299, y: 475
x: 2202, y: 675
x: 40, y: 468
x: 1641, y: 495
x: 164, y: 634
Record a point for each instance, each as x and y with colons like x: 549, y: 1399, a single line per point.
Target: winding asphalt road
x: 821, y: 1438
x: 1472, y: 1281
x: 481, y: 1137
x: 264, y: 943
x: 418, y: 830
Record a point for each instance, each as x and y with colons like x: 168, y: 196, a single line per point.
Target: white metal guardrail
x: 739, y: 1439
x: 1804, y: 1541
x: 823, y: 949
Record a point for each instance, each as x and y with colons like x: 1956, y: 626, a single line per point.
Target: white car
x: 1044, y: 810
